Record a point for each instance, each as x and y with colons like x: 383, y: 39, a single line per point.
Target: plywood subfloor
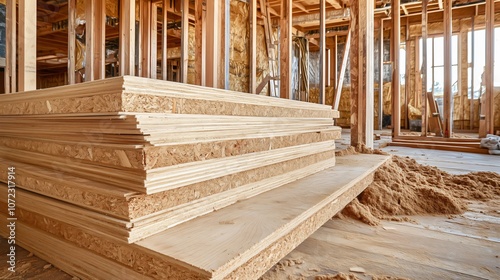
x: 462, y: 247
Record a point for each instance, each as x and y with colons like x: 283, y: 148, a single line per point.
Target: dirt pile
x: 403, y: 187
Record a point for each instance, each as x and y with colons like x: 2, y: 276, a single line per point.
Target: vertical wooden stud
x: 396, y: 95
x: 127, y: 37
x: 27, y: 46
x: 286, y: 49
x: 322, y: 51
x: 185, y: 41
x: 447, y: 102
x: 252, y: 88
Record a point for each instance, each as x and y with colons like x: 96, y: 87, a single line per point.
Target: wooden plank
x: 125, y: 90
x: 213, y: 43
x: 489, y: 69
x: 164, y: 39
x: 225, y: 39
x: 309, y: 210
x: 84, y: 264
x: 380, y: 77
x: 184, y: 41
x: 424, y: 108
x: 322, y: 52
x: 154, y: 40
x: 435, y: 122
x: 252, y: 86
x: 472, y: 115
x: 200, y: 37
x: 89, y: 40
x: 71, y: 41
x: 395, y: 40
x: 286, y: 49
x: 447, y: 98
x: 10, y: 79
x: 99, y: 34
x: 340, y: 79
x: 433, y: 146
x: 361, y: 56
x: 334, y: 63
x: 26, y: 46
x: 145, y: 38
x: 127, y: 37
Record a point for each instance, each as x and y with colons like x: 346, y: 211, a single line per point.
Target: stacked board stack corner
x: 108, y: 163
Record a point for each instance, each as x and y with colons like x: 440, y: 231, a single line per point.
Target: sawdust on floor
x: 404, y: 187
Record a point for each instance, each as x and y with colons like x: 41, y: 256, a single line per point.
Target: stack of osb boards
x: 115, y: 161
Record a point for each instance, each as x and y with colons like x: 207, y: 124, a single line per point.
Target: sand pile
x: 404, y: 187
x: 360, y: 149
x: 339, y: 276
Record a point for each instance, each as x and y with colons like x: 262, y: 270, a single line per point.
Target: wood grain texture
x: 234, y: 234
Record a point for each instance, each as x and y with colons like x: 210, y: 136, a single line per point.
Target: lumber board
x: 288, y: 226
x: 84, y: 264
x: 444, y: 147
x: 136, y: 94
x: 237, y: 234
x: 133, y: 229
x: 131, y: 206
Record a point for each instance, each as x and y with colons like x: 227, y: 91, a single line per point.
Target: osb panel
x: 90, y: 104
x: 176, y: 154
x: 142, y: 205
x: 58, y: 188
x: 130, y: 255
x: 264, y: 260
x: 82, y: 150
x: 161, y: 104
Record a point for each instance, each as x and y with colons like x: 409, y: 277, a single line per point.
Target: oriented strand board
x: 135, y: 94
x: 299, y: 208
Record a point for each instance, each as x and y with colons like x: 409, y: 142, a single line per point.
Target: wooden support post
x: 164, y: 40
x: 185, y: 41
x: 145, y: 38
x: 225, y: 11
x: 127, y: 37
x: 472, y: 115
x: 488, y: 74
x: 11, y: 48
x: 463, y: 66
x: 213, y: 43
x: 380, y: 77
x: 200, y: 37
x: 447, y: 102
x: 227, y: 48
x: 407, y: 75
x: 154, y: 40
x: 424, y: 68
x: 322, y: 51
x: 396, y: 95
x: 71, y: 41
x: 27, y: 45
x: 99, y: 34
x: 89, y: 40
x: 361, y: 56
x: 286, y: 49
x: 252, y: 87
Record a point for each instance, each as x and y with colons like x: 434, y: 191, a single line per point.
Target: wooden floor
x: 433, y: 247
x: 439, y: 247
